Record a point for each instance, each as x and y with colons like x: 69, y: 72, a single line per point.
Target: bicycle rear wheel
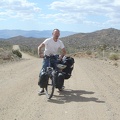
x: 49, y: 90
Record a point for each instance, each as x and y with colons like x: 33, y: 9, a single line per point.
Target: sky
x: 80, y: 16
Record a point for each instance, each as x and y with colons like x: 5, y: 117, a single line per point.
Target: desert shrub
x: 116, y: 64
x: 114, y: 56
x: 17, y: 52
x: 88, y: 52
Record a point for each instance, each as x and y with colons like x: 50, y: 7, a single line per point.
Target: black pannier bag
x: 69, y: 61
x: 59, y: 79
x: 43, y: 79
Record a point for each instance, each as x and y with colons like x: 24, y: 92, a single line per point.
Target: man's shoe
x: 41, y: 92
x: 61, y: 89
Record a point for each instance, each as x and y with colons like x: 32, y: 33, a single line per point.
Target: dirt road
x: 92, y: 93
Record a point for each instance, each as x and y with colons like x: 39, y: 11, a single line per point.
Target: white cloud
x: 77, y: 10
x: 18, y: 8
x: 64, y: 11
x: 64, y: 17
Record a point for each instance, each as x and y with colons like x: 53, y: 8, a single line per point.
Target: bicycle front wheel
x: 49, y: 90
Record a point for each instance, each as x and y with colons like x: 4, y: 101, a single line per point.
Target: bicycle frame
x: 49, y: 90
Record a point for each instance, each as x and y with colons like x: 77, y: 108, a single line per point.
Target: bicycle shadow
x: 73, y: 96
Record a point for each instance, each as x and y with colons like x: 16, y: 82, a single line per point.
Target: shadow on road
x: 73, y: 96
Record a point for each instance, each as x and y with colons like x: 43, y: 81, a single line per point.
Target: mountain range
x: 32, y: 33
x: 109, y: 38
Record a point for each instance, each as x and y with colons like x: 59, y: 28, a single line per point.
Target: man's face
x: 56, y: 34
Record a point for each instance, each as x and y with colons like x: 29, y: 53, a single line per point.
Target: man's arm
x: 40, y: 54
x: 63, y: 53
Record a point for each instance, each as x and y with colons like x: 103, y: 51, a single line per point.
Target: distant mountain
x: 32, y: 33
x: 108, y: 37
x: 77, y: 42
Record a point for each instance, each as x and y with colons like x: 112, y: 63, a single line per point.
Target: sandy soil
x: 92, y: 93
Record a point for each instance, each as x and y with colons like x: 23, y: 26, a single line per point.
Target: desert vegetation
x: 17, y: 52
x: 7, y: 53
x: 103, y: 44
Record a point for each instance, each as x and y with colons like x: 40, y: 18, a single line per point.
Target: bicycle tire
x: 49, y: 90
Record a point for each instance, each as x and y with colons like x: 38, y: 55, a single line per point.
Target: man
x: 51, y: 47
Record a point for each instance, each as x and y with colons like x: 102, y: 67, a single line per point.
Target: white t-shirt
x: 51, y: 47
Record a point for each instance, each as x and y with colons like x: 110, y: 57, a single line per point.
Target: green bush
x: 114, y: 56
x: 18, y: 53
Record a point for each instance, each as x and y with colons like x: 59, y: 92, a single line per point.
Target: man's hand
x: 60, y: 57
x: 41, y: 55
